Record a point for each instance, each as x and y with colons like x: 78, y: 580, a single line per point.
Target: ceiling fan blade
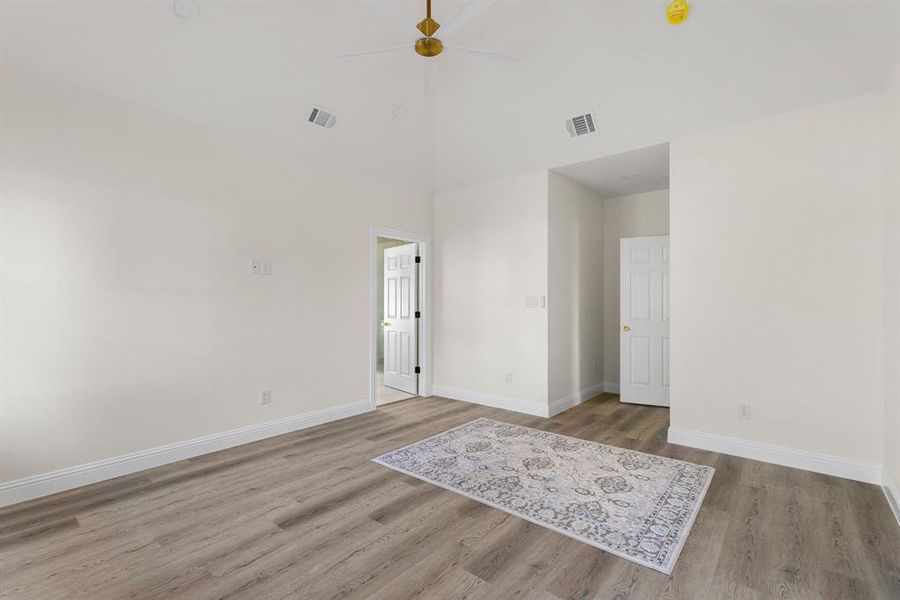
x: 380, y: 51
x: 481, y: 54
x: 388, y: 11
x: 431, y: 76
x: 462, y: 17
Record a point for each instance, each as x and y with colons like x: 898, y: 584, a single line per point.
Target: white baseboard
x: 12, y: 492
x: 566, y: 402
x: 528, y: 407
x: 611, y: 387
x: 892, y: 491
x: 858, y: 470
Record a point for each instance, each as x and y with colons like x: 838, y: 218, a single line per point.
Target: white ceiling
x: 249, y: 67
x: 646, y: 81
x: 634, y: 172
x: 252, y: 67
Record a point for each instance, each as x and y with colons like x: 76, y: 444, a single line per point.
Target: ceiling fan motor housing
x: 429, y: 46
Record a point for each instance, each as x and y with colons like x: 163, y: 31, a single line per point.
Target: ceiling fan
x: 428, y: 45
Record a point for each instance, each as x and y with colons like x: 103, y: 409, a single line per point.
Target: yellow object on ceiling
x: 677, y: 12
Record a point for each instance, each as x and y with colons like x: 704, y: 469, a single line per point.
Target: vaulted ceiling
x: 254, y: 67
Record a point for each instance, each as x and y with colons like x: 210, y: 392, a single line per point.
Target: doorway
x: 634, y: 189
x: 399, y: 321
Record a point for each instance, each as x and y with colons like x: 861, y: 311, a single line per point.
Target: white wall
x: 777, y: 278
x: 627, y: 216
x: 892, y: 283
x: 129, y: 318
x: 491, y: 252
x: 575, y: 305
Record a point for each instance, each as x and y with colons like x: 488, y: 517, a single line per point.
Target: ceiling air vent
x: 580, y: 125
x: 322, y: 118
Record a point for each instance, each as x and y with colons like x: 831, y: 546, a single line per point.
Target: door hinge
x: 418, y: 370
x: 418, y: 259
x: 418, y: 315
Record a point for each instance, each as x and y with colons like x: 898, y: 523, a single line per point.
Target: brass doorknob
x: 626, y: 328
x: 385, y: 324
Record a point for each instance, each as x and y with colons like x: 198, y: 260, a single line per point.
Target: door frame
x: 424, y: 294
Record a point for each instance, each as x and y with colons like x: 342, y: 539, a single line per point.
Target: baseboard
x: 780, y: 455
x: 611, y: 387
x: 892, y: 492
x: 36, y: 486
x: 528, y: 407
x: 566, y: 402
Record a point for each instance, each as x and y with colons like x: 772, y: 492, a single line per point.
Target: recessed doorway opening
x: 634, y: 189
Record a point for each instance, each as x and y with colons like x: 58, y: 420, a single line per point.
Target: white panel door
x: 644, y: 312
x: 399, y: 323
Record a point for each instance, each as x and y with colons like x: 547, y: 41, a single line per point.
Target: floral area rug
x: 635, y: 505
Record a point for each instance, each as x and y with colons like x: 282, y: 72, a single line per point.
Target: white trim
x: 528, y: 407
x: 20, y: 490
x: 858, y: 470
x: 424, y: 242
x: 611, y: 387
x: 566, y: 402
x: 893, y: 496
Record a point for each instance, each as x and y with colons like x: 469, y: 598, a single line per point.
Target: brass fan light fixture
x: 429, y: 46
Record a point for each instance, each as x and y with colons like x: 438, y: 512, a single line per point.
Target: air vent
x: 322, y: 118
x: 580, y: 125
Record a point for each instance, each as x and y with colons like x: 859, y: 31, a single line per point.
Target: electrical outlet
x: 743, y: 411
x: 265, y: 397
x: 509, y: 378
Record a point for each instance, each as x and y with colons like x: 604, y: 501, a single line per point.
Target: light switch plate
x: 266, y: 267
x: 535, y: 301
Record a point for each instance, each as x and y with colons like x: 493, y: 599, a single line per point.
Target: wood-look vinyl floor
x: 307, y: 516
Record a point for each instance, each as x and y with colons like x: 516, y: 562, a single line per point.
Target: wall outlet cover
x: 265, y: 397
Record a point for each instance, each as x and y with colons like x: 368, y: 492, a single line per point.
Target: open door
x: 644, y: 313
x: 399, y: 325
